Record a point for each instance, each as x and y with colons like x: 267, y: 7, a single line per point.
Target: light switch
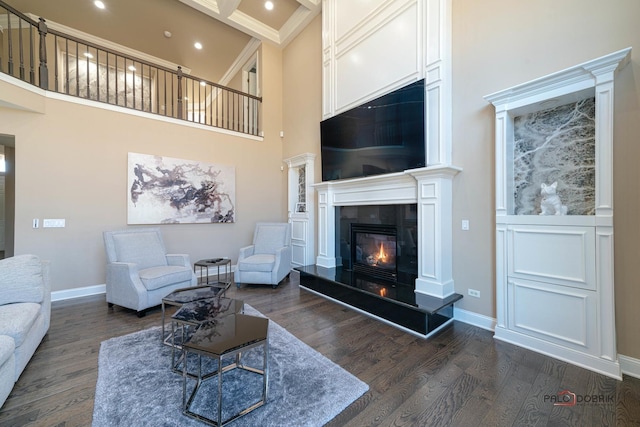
x: 465, y: 224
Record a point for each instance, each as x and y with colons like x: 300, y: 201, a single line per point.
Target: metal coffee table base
x: 200, y: 378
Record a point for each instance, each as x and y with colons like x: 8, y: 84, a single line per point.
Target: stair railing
x: 86, y: 70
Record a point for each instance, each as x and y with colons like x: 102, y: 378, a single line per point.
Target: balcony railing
x: 69, y: 65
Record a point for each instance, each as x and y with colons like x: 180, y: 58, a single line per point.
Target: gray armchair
x: 268, y: 260
x: 140, y: 272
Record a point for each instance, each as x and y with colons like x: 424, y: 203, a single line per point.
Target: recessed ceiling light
x: 99, y: 4
x: 132, y: 68
x: 268, y: 5
x: 197, y: 45
x: 167, y: 34
x: 88, y: 55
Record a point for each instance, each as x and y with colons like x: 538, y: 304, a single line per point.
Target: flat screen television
x: 385, y: 135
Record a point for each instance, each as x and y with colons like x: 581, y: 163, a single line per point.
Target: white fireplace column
x: 435, y: 210
x: 431, y: 188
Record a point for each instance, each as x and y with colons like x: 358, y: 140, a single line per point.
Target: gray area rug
x: 136, y: 386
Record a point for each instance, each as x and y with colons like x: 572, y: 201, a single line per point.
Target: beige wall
x: 498, y: 44
x: 71, y: 162
x: 302, y: 75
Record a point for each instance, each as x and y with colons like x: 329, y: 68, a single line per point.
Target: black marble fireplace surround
x: 356, y: 280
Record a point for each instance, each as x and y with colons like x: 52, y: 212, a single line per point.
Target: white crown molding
x: 228, y: 13
x: 244, y: 56
x: 253, y: 27
x: 294, y: 26
x: 111, y: 45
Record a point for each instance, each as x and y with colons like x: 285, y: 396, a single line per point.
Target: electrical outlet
x: 53, y: 223
x: 474, y: 293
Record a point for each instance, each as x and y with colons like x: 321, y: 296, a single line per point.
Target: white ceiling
x: 224, y: 27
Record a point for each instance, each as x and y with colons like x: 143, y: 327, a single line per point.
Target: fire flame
x: 383, y: 292
x: 382, y: 256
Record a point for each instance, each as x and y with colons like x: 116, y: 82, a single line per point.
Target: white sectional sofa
x: 25, y: 314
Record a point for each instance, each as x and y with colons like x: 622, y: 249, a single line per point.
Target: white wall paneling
x: 554, y: 284
x: 371, y: 48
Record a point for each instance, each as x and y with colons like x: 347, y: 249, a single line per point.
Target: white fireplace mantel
x: 431, y: 188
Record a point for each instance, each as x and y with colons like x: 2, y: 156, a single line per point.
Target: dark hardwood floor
x: 459, y: 377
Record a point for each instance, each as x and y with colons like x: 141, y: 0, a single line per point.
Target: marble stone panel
x: 556, y: 144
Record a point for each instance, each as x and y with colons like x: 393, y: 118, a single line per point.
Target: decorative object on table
x: 165, y: 190
x: 140, y: 272
x: 136, y: 386
x: 551, y: 203
x: 268, y: 260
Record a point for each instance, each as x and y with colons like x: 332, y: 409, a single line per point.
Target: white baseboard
x: 78, y: 292
x: 475, y: 319
x: 629, y: 365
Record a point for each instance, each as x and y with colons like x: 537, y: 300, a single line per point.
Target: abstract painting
x: 165, y: 190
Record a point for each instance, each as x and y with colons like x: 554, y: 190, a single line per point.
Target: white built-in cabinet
x: 301, y: 207
x: 554, y: 273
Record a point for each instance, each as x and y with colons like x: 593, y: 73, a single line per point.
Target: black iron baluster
x: 67, y: 64
x: 97, y: 74
x: 133, y: 82
x: 117, y: 79
x: 21, y: 49
x: 107, y: 76
x: 56, y: 75
x: 77, y: 72
x: 88, y: 77
x: 32, y: 70
x: 193, y: 100
x: 179, y: 92
x: 166, y: 109
x: 10, y: 65
x: 126, y: 94
x: 43, y: 70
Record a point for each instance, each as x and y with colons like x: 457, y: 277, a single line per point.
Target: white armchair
x: 140, y: 272
x: 268, y: 260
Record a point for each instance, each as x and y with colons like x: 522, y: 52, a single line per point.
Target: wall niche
x: 554, y: 272
x: 555, y: 145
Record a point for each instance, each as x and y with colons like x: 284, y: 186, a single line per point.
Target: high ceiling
x: 224, y: 27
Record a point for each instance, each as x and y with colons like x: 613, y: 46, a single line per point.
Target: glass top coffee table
x: 193, y: 314
x: 227, y: 336
x: 185, y: 295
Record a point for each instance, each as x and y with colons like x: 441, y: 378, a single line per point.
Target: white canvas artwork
x: 165, y: 190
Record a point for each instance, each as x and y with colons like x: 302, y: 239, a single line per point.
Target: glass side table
x: 185, y: 295
x: 203, y: 265
x: 223, y: 338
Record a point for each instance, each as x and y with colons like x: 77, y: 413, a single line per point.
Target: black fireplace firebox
x: 374, y: 250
